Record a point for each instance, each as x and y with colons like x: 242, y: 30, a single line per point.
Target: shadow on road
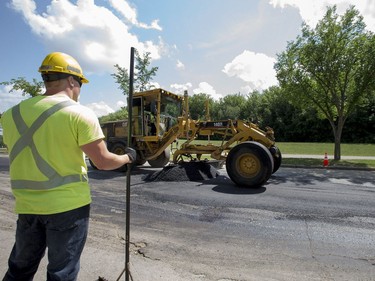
x: 225, y: 185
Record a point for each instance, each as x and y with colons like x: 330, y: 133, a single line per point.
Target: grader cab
x: 161, y: 118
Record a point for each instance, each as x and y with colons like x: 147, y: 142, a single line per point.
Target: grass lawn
x: 321, y: 148
x: 314, y: 148
x: 310, y: 162
x: 308, y: 148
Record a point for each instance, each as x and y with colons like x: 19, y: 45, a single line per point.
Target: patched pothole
x: 187, y: 171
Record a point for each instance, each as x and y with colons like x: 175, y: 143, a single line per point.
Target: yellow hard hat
x: 62, y: 63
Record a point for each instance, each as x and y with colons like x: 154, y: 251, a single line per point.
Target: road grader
x: 161, y: 119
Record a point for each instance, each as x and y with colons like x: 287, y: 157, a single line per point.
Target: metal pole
x: 128, y: 172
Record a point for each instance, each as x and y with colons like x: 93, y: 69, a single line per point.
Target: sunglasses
x: 78, y: 80
x: 53, y: 76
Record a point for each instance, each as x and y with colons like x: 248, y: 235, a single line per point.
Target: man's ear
x: 71, y: 82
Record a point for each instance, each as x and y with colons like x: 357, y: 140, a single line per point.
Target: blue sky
x: 218, y: 47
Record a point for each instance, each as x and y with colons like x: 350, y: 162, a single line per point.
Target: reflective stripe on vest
x: 26, y: 140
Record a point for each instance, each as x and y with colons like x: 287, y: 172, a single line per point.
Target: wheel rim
x: 248, y: 164
x: 118, y: 151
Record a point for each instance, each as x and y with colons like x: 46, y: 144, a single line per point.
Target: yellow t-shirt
x: 58, y: 142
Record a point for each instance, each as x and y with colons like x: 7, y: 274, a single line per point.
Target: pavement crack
x: 139, y: 248
x: 369, y: 260
x: 313, y: 255
x: 311, y: 247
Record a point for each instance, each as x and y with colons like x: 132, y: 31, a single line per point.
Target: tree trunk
x: 337, y: 132
x: 337, y: 150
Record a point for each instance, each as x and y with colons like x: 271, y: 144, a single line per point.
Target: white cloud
x: 120, y: 104
x: 203, y: 87
x: 313, y: 10
x: 100, y: 108
x: 91, y: 33
x: 154, y: 85
x: 254, y: 68
x: 126, y: 10
x: 180, y: 88
x: 180, y: 65
x: 206, y: 88
x: 154, y: 25
x: 9, y: 99
x: 131, y: 14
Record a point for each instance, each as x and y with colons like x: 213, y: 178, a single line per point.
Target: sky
x: 217, y: 47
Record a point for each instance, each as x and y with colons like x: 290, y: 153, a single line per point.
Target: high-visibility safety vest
x: 47, y: 167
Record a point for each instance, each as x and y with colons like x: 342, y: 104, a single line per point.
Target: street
x: 304, y: 224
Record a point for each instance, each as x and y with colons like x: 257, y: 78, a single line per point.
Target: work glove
x: 132, y: 154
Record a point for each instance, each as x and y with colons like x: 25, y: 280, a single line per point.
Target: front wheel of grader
x: 277, y: 158
x: 162, y: 160
x: 249, y: 164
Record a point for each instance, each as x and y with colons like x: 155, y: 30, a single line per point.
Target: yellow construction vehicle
x: 161, y: 118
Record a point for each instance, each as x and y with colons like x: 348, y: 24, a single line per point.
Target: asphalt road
x: 302, y: 225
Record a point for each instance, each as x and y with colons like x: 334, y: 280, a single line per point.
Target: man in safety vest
x: 47, y: 137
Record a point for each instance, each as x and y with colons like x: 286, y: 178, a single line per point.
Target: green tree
x: 330, y: 68
x: 122, y: 79
x: 33, y: 88
x: 118, y: 115
x: 290, y: 123
x: 250, y: 111
x: 361, y: 123
x: 143, y: 75
x: 230, y: 107
x: 197, y: 106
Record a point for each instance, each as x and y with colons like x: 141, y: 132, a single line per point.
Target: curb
x: 328, y: 168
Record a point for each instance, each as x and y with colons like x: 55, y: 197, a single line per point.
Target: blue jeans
x: 64, y: 235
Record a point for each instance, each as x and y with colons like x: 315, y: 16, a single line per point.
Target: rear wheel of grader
x: 92, y: 164
x: 119, y: 149
x: 249, y: 164
x: 161, y: 160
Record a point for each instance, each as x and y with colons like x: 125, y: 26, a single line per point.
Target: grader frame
x: 161, y: 118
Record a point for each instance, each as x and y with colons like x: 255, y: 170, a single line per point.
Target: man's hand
x: 132, y: 154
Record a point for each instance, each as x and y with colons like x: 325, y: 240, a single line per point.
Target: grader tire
x: 119, y: 149
x: 161, y: 160
x: 140, y: 161
x: 277, y: 158
x: 92, y: 164
x: 249, y: 164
